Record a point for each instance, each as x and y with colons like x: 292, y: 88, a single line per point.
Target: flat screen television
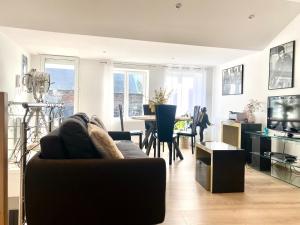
x: 284, y: 113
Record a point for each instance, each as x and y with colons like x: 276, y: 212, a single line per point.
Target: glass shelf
x: 278, y: 137
x: 275, y: 164
x: 279, y: 158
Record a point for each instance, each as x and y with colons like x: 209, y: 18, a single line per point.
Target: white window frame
x: 67, y: 60
x: 126, y: 88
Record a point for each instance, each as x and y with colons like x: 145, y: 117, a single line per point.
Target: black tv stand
x: 275, y: 162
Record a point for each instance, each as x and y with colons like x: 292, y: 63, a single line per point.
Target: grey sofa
x: 64, y: 190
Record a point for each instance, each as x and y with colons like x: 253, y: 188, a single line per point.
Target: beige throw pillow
x: 103, y: 141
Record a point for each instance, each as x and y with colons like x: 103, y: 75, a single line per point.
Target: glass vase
x: 251, y: 117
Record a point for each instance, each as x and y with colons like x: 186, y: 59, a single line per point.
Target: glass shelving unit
x: 281, y: 165
x: 282, y: 137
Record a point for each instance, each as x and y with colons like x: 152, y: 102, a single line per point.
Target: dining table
x: 152, y: 129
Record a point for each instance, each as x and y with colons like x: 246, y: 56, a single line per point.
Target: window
x: 63, y: 81
x: 130, y: 87
x: 188, y: 88
x: 182, y: 91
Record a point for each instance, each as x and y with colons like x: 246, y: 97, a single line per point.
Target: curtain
x: 187, y: 87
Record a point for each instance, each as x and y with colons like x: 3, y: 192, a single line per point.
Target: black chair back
x: 147, y: 111
x: 165, y: 119
x: 196, y: 117
x: 121, y: 117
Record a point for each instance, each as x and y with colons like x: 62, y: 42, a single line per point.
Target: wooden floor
x: 265, y: 201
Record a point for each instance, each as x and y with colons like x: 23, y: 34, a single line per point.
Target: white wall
x: 94, y: 90
x: 256, y: 74
x: 89, y: 82
x: 255, y: 87
x: 10, y: 66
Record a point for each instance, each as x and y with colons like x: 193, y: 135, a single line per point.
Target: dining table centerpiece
x: 161, y: 96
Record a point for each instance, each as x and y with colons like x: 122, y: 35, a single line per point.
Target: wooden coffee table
x: 220, y: 167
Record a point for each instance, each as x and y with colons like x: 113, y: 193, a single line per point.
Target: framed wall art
x: 232, y: 80
x: 281, y: 66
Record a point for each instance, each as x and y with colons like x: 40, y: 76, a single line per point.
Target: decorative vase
x: 152, y: 107
x: 153, y: 104
x: 251, y: 117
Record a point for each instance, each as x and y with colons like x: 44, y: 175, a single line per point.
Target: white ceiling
x: 124, y: 50
x: 214, y: 23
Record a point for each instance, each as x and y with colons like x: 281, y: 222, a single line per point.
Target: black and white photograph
x: 281, y: 71
x: 24, y: 65
x: 233, y: 80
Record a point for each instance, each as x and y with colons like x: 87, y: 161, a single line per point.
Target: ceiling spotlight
x: 252, y: 16
x: 178, y: 5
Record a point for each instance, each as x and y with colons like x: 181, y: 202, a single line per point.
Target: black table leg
x: 150, y: 144
x: 192, y: 145
x: 158, y: 149
x: 147, y: 135
x: 174, y: 153
x: 177, y: 149
x: 140, y: 141
x: 170, y: 152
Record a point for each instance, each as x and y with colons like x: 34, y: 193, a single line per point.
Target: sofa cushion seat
x: 130, y: 150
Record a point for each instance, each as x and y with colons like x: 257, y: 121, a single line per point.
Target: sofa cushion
x: 104, y: 142
x: 96, y: 121
x: 130, y: 150
x: 52, y: 146
x: 82, y: 117
x: 77, y: 141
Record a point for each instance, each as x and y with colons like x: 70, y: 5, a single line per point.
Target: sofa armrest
x: 95, y: 191
x: 120, y: 135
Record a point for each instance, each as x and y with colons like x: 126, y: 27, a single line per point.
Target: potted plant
x: 252, y: 107
x: 181, y: 126
x: 160, y: 97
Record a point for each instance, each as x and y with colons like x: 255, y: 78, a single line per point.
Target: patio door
x: 63, y: 78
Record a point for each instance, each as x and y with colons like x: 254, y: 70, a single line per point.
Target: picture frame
x: 24, y: 69
x: 232, y: 80
x: 281, y: 66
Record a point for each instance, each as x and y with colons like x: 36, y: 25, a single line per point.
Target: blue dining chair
x: 165, y: 119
